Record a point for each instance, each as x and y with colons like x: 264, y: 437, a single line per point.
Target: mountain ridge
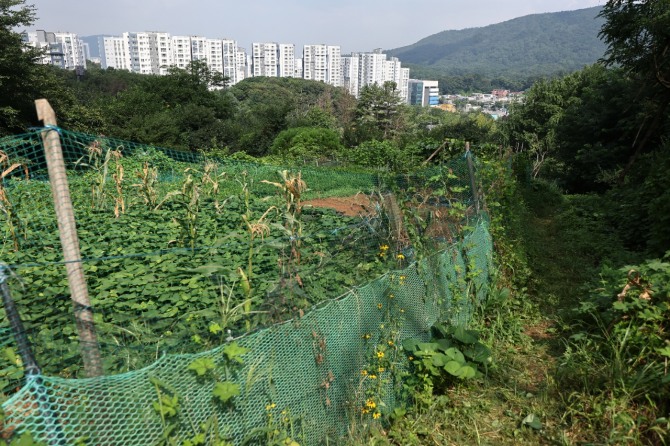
x: 531, y: 45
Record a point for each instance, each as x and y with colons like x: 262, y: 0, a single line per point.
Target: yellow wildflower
x: 364, y: 410
x: 391, y: 343
x: 372, y: 376
x: 376, y: 415
x: 411, y: 358
x: 400, y: 256
x: 371, y: 404
x: 364, y: 372
x: 270, y: 406
x: 366, y: 336
x: 379, y: 306
x: 380, y: 354
x: 381, y: 369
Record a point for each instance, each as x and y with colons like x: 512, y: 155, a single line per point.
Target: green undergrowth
x: 571, y: 362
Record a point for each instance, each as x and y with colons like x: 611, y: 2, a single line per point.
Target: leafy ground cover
x: 180, y: 257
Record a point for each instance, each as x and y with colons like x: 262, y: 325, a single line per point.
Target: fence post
x: 473, y: 182
x: 67, y: 228
x: 19, y: 333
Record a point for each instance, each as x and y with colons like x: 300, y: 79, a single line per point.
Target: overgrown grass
x: 559, y: 376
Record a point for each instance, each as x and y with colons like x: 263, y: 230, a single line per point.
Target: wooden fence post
x: 67, y: 228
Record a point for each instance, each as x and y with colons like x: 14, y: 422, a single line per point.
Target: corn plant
x: 99, y: 166
x: 119, y: 200
x: 255, y: 228
x: 147, y: 186
x: 13, y: 222
x: 291, y: 188
x: 188, y: 199
x: 210, y: 183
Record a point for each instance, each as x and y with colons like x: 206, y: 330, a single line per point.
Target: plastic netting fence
x: 169, y: 300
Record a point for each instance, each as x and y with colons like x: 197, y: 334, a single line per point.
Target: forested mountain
x: 533, y: 45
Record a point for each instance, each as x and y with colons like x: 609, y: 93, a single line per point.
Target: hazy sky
x: 355, y: 25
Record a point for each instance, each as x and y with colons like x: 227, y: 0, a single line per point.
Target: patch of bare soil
x: 353, y: 206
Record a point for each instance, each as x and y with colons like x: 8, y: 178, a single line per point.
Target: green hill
x: 533, y: 45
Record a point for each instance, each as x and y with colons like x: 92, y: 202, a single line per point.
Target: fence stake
x: 473, y: 183
x: 19, y: 333
x: 67, y: 228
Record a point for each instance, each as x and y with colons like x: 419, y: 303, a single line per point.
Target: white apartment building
x: 322, y: 63
x: 165, y: 52
x: 286, y: 60
x: 350, y: 74
x: 63, y: 50
x: 181, y: 51
x: 362, y: 69
x: 265, y: 59
x: 396, y: 73
x: 115, y: 53
x: 73, y: 50
x: 234, y: 61
x: 142, y: 52
x: 298, y: 69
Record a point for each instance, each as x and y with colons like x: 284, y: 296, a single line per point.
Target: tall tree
x: 16, y: 64
x: 637, y: 33
x: 379, y: 112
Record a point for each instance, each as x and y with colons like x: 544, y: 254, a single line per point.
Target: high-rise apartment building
x: 264, y: 59
x: 322, y: 63
x: 286, y: 60
x: 64, y: 50
x: 234, y: 61
x: 181, y: 51
x: 350, y: 74
x: 115, y: 53
x: 142, y: 52
x: 165, y: 52
x: 394, y: 72
x: 362, y: 69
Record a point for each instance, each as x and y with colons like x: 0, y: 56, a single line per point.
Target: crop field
x: 181, y: 256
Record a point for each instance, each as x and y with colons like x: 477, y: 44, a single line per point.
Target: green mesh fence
x: 168, y: 296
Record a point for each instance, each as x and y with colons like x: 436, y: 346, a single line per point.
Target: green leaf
x: 455, y: 355
x: 452, y: 367
x: 532, y: 421
x: 466, y: 372
x: 411, y: 344
x: 233, y: 351
x: 439, y: 360
x: 226, y: 390
x: 478, y: 353
x: 465, y: 336
x: 202, y: 365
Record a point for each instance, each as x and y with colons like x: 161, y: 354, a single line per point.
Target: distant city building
x: 322, y: 63
x: 234, y: 61
x: 152, y: 52
x: 64, y: 50
x: 142, y: 52
x: 423, y: 93
x: 115, y: 53
x: 350, y: 74
x: 265, y: 59
x: 363, y: 69
x: 286, y: 60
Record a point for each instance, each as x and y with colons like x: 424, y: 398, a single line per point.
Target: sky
x: 354, y: 25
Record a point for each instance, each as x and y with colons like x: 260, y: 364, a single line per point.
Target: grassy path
x: 519, y: 401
